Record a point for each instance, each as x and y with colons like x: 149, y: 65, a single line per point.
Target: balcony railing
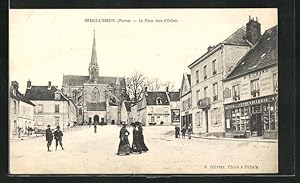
x: 204, y: 103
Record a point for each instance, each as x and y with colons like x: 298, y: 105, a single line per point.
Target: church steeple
x: 93, y: 67
x: 94, y: 52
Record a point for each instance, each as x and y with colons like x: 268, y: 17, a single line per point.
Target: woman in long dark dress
x: 141, y: 137
x: 136, y: 146
x: 124, y: 146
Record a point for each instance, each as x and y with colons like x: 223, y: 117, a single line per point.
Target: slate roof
x: 264, y: 54
x: 237, y: 38
x: 127, y: 106
x: 21, y: 97
x: 99, y: 106
x: 152, y: 96
x: 75, y: 80
x: 42, y: 93
x: 174, y: 96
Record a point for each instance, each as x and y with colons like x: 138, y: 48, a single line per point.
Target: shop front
x: 186, y: 120
x: 256, y: 117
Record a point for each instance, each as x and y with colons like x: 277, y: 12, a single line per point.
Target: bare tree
x: 154, y: 84
x: 170, y: 85
x: 135, y: 85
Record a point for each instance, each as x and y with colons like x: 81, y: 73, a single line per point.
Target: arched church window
x: 80, y: 111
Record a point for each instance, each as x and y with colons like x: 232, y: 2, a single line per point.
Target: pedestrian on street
x: 177, y: 131
x: 136, y: 146
x: 189, y: 130
x: 124, y: 146
x: 68, y: 126
x: 183, y: 130
x: 95, y: 127
x: 19, y: 131
x: 141, y: 137
x: 49, y: 137
x: 58, y: 138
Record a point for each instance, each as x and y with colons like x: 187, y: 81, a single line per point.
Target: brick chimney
x: 28, y: 84
x: 15, y: 87
x: 253, y: 31
x: 210, y: 48
x: 49, y: 85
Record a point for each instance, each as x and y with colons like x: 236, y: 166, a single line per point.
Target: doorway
x: 256, y: 125
x: 96, y: 119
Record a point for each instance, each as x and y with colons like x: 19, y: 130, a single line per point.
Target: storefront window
x: 270, y: 117
x: 240, y: 119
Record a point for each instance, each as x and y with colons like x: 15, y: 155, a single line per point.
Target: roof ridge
x: 234, y: 33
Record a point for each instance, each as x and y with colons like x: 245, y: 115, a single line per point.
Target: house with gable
x: 251, y: 91
x: 21, y: 111
x: 186, y: 101
x: 52, y: 107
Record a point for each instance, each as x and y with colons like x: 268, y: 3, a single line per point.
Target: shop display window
x: 270, y: 116
x: 240, y: 119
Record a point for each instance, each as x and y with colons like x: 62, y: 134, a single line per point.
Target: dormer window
x: 57, y: 96
x: 158, y: 101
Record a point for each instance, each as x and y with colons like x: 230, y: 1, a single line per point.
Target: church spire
x: 94, y: 68
x: 94, y: 52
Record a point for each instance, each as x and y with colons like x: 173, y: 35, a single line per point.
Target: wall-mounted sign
x: 252, y: 102
x: 227, y: 93
x: 175, y: 115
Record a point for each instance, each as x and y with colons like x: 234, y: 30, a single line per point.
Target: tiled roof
x: 152, y: 96
x: 237, y: 38
x: 42, y: 93
x: 74, y: 80
x: 174, y: 96
x: 21, y: 97
x: 99, y: 106
x: 264, y: 54
x: 127, y: 106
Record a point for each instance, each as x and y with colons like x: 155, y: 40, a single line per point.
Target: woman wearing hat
x: 124, y: 146
x: 136, y: 144
x: 141, y: 137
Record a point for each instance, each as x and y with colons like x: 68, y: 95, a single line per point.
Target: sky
x: 44, y: 44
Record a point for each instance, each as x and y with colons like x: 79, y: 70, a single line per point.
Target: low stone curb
x: 238, y: 139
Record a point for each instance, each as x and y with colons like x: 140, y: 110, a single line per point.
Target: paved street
x: 89, y: 153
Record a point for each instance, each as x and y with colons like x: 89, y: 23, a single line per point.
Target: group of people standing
x: 57, y: 136
x: 138, y: 144
x: 185, y: 129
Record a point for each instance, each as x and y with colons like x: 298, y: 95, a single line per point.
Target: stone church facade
x: 98, y: 98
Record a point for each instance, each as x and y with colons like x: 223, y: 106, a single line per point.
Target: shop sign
x: 175, y: 115
x: 226, y: 93
x: 255, y: 74
x: 251, y: 102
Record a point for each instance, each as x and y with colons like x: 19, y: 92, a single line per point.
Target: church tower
x: 93, y: 67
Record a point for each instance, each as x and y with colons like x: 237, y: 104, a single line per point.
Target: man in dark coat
x: 49, y: 137
x: 58, y: 138
x: 177, y: 131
